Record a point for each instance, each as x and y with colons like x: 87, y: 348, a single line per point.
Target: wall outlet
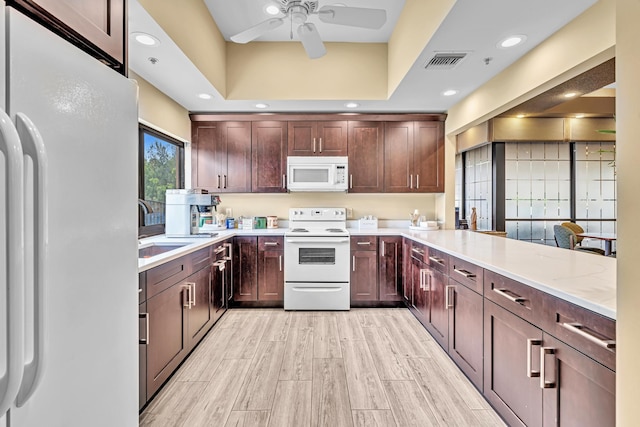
x: 228, y: 212
x: 349, y: 213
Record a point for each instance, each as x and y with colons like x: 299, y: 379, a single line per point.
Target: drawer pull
x: 543, y: 380
x: 465, y: 273
x: 364, y: 243
x: 530, y: 343
x: 437, y: 260
x: 579, y: 329
x: 502, y: 292
x: 271, y: 243
x: 219, y: 249
x: 417, y: 250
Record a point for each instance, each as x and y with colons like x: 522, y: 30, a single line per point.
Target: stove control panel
x: 317, y: 214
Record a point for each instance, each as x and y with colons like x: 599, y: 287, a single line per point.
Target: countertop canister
x: 272, y: 222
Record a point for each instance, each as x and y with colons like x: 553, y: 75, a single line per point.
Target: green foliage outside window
x: 160, y: 167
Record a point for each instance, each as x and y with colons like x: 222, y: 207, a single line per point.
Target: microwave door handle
x: 14, y: 192
x: 34, y: 147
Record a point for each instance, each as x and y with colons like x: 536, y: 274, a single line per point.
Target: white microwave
x: 317, y: 173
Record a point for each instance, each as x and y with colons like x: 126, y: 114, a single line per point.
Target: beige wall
x: 628, y: 153
x: 158, y: 110
x: 383, y: 206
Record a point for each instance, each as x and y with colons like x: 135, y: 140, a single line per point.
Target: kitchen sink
x: 154, y: 249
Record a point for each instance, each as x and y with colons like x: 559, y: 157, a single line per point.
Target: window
x: 161, y: 167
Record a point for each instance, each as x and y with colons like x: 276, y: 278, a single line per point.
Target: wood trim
x: 254, y: 117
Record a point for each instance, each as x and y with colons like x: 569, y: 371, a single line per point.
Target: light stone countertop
x: 584, y: 279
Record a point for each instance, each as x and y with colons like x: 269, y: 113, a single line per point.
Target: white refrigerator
x: 68, y: 234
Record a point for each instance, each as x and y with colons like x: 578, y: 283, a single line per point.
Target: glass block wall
x: 537, y: 189
x: 596, y: 188
x: 478, y: 186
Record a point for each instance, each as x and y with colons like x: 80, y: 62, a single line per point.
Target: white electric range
x: 317, y: 250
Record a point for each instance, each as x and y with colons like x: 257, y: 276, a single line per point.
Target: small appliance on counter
x: 184, y: 208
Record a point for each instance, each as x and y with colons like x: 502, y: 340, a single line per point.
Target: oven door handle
x: 317, y: 240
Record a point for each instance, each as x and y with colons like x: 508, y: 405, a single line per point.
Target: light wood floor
x: 364, y: 367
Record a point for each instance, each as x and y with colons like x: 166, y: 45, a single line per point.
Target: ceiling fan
x: 298, y: 11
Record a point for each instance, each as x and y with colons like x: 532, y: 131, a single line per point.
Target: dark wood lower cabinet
x: 390, y: 273
x: 142, y: 354
x: 515, y: 395
x: 364, y: 276
x: 465, y: 311
x: 583, y: 392
x: 270, y: 269
x: 420, y: 295
x: 167, y: 344
x: 407, y: 283
x: 199, y: 312
x: 438, y: 318
x: 245, y: 271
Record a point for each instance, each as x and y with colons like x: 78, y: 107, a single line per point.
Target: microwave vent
x: 445, y: 61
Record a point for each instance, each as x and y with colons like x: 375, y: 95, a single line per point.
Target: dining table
x: 608, y: 239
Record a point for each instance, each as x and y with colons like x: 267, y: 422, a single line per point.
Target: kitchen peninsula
x: 488, y: 301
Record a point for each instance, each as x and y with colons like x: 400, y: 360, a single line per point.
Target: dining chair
x: 566, y: 238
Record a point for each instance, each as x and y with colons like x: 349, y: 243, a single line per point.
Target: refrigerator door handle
x: 33, y: 146
x: 14, y: 180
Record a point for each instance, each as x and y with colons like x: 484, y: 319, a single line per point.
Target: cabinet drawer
x: 590, y: 333
x: 516, y: 297
x: 163, y: 276
x: 270, y: 243
x: 199, y: 259
x: 363, y: 243
x: 466, y: 273
x: 419, y: 252
x: 438, y: 260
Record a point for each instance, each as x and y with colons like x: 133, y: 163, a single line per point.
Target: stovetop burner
x: 334, y: 230
x: 299, y: 230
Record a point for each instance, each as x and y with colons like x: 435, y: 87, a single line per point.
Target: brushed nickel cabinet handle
x: 314, y: 145
x: 411, y: 181
x: 186, y: 297
x: 284, y: 183
x: 544, y: 351
x: 280, y: 262
x: 225, y: 181
x: 193, y: 294
x: 350, y: 180
x: 353, y: 263
x: 437, y: 260
x: 502, y: 292
x: 530, y: 343
x: 465, y: 273
x: 448, y: 298
x: 578, y: 328
x: 218, y: 181
x: 271, y: 243
x: 320, y: 145
x: 417, y: 180
x: 144, y: 316
x: 418, y: 251
x: 365, y: 243
x: 219, y: 249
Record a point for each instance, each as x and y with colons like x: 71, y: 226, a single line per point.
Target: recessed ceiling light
x: 449, y: 92
x: 352, y: 105
x: 204, y: 96
x: 262, y: 106
x: 512, y: 41
x: 520, y: 116
x: 272, y: 9
x: 145, y: 39
x: 570, y: 94
x: 579, y: 116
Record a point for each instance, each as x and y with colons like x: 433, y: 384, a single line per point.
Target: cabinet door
x: 390, y: 279
x: 332, y: 138
x: 302, y: 140
x: 218, y: 297
x: 420, y: 294
x: 583, y: 392
x: 438, y: 323
x: 364, y: 276
x: 465, y: 330
x: 516, y: 396
x: 199, y: 312
x: 167, y: 342
x: 271, y: 275
x: 398, y: 162
x: 235, y: 166
x: 245, y: 279
x: 366, y: 157
x: 407, y: 290
x: 95, y: 26
x: 142, y: 354
x: 269, y: 157
x: 428, y: 157
x: 205, y: 156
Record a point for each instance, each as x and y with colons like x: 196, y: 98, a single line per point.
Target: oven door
x: 316, y: 259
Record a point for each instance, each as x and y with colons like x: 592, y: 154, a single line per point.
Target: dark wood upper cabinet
x: 269, y: 157
x: 366, y: 157
x: 317, y: 138
x: 414, y: 157
x: 97, y: 27
x: 221, y: 156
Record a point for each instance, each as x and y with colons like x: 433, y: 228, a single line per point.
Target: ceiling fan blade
x: 257, y: 30
x: 311, y: 40
x: 353, y: 16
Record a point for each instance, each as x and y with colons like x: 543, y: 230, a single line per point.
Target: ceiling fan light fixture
x: 272, y: 9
